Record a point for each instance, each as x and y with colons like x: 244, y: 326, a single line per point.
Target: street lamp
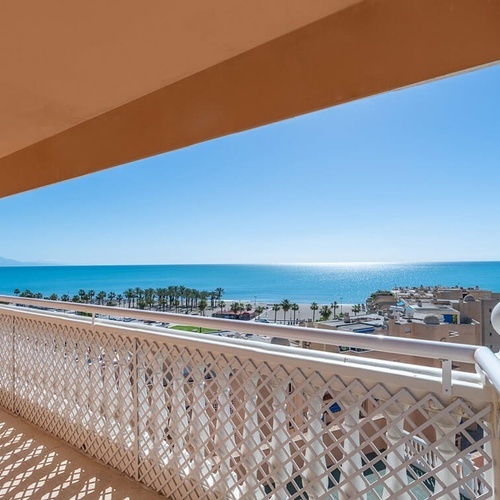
x: 340, y: 305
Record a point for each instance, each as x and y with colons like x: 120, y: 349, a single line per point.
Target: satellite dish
x: 495, y: 318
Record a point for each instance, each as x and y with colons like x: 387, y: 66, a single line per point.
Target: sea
x: 348, y: 283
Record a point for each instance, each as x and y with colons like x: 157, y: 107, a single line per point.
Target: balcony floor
x: 36, y: 465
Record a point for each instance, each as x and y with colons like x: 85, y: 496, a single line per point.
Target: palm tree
x: 164, y: 298
x: 248, y: 307
x: 335, y: 306
x: 188, y: 295
x: 259, y: 310
x: 91, y: 295
x: 235, y: 307
x: 65, y: 297
x: 295, y: 307
x: 171, y: 296
x: 130, y: 296
x: 149, y: 297
x: 111, y: 298
x: 325, y: 312
x: 314, y: 308
x: 222, y: 304
x: 139, y: 292
x: 213, y: 297
x: 181, y: 291
x: 17, y: 291
x: 202, y: 305
x: 219, y: 292
x: 276, y: 308
x: 83, y: 296
x: 119, y: 298
x: 161, y: 294
x: 100, y: 297
x: 285, y: 305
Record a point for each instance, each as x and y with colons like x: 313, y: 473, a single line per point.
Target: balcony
x: 198, y: 416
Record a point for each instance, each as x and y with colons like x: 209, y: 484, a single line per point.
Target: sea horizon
x: 331, y: 263
x: 347, y: 282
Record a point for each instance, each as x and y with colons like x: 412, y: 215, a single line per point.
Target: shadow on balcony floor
x: 35, y: 465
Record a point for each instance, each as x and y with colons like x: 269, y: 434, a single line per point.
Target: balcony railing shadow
x: 35, y: 465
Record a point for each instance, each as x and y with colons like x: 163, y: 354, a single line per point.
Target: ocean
x: 302, y: 283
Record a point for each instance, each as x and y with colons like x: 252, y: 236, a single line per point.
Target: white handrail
x: 381, y: 343
x: 484, y: 358
x: 490, y: 365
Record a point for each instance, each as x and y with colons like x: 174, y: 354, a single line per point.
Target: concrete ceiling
x: 87, y: 85
x: 63, y: 62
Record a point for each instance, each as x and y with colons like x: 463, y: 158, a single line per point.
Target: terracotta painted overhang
x: 89, y: 85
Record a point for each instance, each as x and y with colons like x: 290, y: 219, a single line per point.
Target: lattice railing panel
x: 6, y: 361
x: 194, y: 422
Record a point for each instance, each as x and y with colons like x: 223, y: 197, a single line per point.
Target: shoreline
x: 262, y: 284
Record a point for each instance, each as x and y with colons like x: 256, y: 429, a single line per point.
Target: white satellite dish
x: 495, y: 318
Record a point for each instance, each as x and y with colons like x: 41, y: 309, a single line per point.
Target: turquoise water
x: 349, y: 282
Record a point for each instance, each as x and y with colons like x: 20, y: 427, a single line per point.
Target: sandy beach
x: 303, y: 314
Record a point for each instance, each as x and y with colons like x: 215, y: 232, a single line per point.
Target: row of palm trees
x: 326, y: 311
x: 161, y: 299
x: 286, y: 306
x: 185, y: 299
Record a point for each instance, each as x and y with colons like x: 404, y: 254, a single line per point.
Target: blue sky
x: 408, y: 176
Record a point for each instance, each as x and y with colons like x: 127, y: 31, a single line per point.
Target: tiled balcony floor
x: 36, y: 465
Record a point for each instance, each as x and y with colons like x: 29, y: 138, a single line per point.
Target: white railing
x: 426, y: 460
x: 197, y: 416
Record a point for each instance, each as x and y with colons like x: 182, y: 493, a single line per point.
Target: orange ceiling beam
x: 369, y: 48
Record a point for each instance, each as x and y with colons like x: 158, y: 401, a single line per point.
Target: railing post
x: 446, y: 367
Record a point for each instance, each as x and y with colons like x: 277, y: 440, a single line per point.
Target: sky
x: 407, y: 176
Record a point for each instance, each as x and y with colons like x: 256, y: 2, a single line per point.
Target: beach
x: 304, y: 312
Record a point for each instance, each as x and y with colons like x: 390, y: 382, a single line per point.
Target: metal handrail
x: 383, y: 343
x: 484, y: 358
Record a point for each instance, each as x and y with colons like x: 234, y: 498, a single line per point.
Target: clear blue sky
x: 411, y: 175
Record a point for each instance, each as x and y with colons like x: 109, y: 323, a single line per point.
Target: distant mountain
x: 12, y: 262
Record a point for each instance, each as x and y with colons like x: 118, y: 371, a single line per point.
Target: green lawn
x: 197, y: 329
